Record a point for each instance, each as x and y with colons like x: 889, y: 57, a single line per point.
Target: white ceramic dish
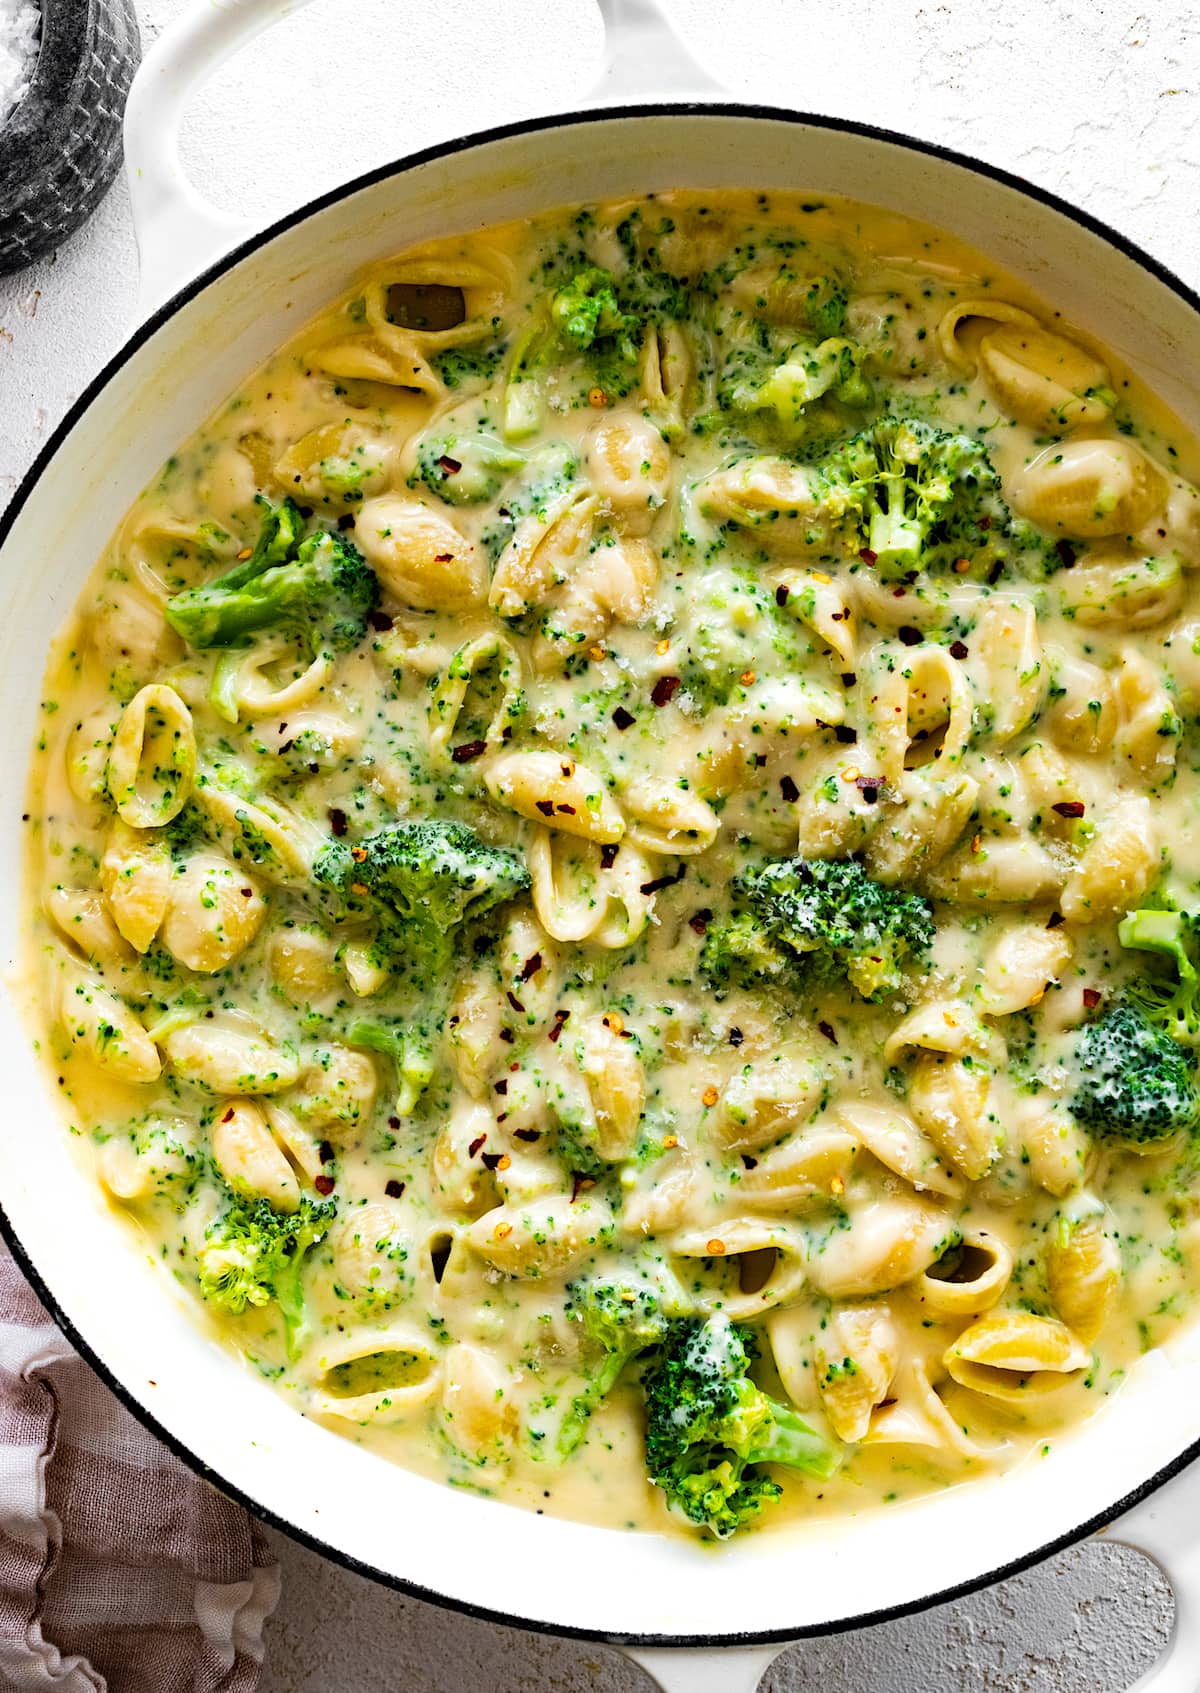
x: 669, y: 1600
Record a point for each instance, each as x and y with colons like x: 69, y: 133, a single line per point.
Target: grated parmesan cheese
x: 20, y: 23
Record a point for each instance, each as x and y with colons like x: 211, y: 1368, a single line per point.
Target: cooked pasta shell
x: 900, y: 1146
x: 966, y: 322
x: 421, y: 558
x: 1122, y: 592
x: 811, y: 1167
x: 1117, y: 865
x: 820, y: 602
x: 1043, y: 379
x: 616, y: 1083
x: 1015, y: 1357
x: 213, y: 913
x: 101, y: 1027
x: 335, y: 466
x: 83, y: 917
x: 970, y: 1278
x: 942, y: 1025
x: 667, y: 818
x: 770, y: 1260
x: 1054, y: 1145
x: 551, y: 788
x: 766, y: 1099
x: 546, y: 549
x: 777, y: 502
x: 488, y: 652
x: 666, y: 1205
x: 303, y: 964
x: 336, y: 1092
x: 462, y: 1184
x: 628, y: 463
x: 1007, y: 661
x: 933, y: 813
x: 1089, y: 488
x: 949, y: 1097
x: 885, y: 1243
x: 855, y: 1362
x: 152, y: 761
x: 373, y: 1257
x: 135, y: 874
x: 1020, y: 966
x: 87, y: 751
x: 544, y: 1238
x: 916, y: 1415
x: 1083, y: 1269
x: 614, y: 584
x: 248, y: 1156
x: 374, y: 1375
x: 1148, y: 728
x: 229, y: 1057
x: 478, y: 1415
x: 997, y: 870
x: 1175, y: 531
x: 1082, y: 716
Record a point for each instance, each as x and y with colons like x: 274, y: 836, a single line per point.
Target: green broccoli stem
x: 575, y: 1424
x: 410, y: 1049
x: 1163, y: 932
x: 894, y: 538
x: 792, y: 1441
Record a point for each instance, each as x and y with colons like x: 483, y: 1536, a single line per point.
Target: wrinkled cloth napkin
x: 120, y: 1570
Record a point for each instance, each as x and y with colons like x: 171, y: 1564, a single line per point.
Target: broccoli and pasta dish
x: 614, y: 871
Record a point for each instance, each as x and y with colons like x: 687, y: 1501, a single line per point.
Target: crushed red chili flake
x: 1091, y: 998
x: 622, y: 718
x: 997, y: 570
x: 247, y: 893
x: 393, y: 1123
x: 346, y: 521
x: 475, y: 1145
x: 324, y: 1185
x: 760, y: 759
x: 501, y: 1086
x: 467, y: 751
x: 514, y: 1001
x: 380, y: 621
x: 228, y: 1117
x: 502, y: 1117
x: 868, y: 787
x: 1066, y: 554
x: 608, y: 855
x: 531, y: 966
x: 507, y: 1036
x: 910, y: 636
x: 1056, y: 920
x: 337, y: 821
x: 661, y: 882
x: 443, y: 558
x: 1069, y: 808
x: 325, y: 1152
x: 358, y: 854
x: 546, y: 807
x: 665, y: 689
x: 788, y: 789
x: 958, y: 649
x: 527, y: 1134
x: 848, y: 679
x: 845, y: 734
x: 782, y: 594
x: 569, y: 809
x: 700, y: 920
x: 393, y: 1188
x: 580, y: 1184
x: 449, y: 465
x: 749, y: 1163
x: 827, y: 1030
x: 736, y: 1037
x: 867, y: 556
x: 985, y: 523
x: 491, y: 1160
x: 560, y: 1023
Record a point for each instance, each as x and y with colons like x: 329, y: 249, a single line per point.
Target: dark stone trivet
x: 61, y: 146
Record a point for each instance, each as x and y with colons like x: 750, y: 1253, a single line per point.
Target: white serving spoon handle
x: 1166, y: 1527
x: 717, y: 1669
x: 180, y: 233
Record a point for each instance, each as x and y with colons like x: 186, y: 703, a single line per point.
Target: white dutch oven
x: 670, y: 1601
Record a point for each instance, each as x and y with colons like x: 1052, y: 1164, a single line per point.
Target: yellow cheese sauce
x: 786, y: 625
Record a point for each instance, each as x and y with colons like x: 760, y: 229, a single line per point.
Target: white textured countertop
x: 1096, y: 99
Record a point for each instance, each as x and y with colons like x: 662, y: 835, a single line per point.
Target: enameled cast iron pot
x: 672, y: 1602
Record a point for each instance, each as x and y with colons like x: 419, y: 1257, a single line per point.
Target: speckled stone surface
x: 1097, y: 100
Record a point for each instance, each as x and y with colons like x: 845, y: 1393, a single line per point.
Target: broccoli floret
x: 620, y: 1321
x: 790, y: 383
x: 254, y: 1254
x: 582, y: 318
x: 409, y: 1046
x: 1134, y: 1082
x: 586, y: 311
x: 818, y: 919
x: 1169, y: 1001
x: 926, y: 497
x: 464, y: 470
x: 708, y: 1428
x: 320, y: 590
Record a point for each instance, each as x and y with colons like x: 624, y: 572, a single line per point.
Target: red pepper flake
x: 827, y: 1030
x: 958, y: 649
x: 449, y: 465
x: 848, y: 679
x: 337, y: 821
x: 868, y: 787
x: 1070, y: 808
x: 346, y: 520
x: 501, y: 1086
x: 514, y: 1001
x: 380, y: 621
x: 393, y: 1188
x: 736, y: 1037
x: 393, y: 1123
x: 749, y: 1163
x: 569, y: 809
x: 985, y: 523
x: 358, y: 854
x: 845, y: 734
x: 247, y: 893
x: 228, y: 1117
x: 324, y: 1185
x: 910, y: 636
x: 325, y: 1152
x: 560, y: 1023
x: 623, y: 719
x: 665, y: 689
x: 608, y: 855
x: 867, y: 556
x: 700, y: 921
x: 789, y: 790
x: 502, y: 1117
x: 760, y: 759
x: 467, y: 751
x: 442, y: 558
x: 1056, y: 920
x: 661, y: 882
x: 580, y: 1184
x: 491, y: 1160
x: 1091, y: 998
x: 782, y: 594
x: 546, y: 807
x: 530, y: 967
x: 997, y: 570
x: 529, y: 1135
x: 475, y: 1145
x: 507, y: 1036
x: 1066, y: 554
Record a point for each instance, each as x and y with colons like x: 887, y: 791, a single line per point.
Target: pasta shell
x: 810, y: 1168
x: 900, y: 1146
x: 778, y: 504
x: 1121, y: 593
x: 970, y: 1278
x: 628, y: 463
x: 949, y: 1099
x: 1016, y: 1358
x: 229, y: 1058
x: 1083, y: 1270
x: 213, y: 913
x: 545, y: 1238
x: 421, y: 558
x: 152, y: 761
x: 1117, y: 865
x: 855, y: 1362
x: 766, y: 1100
x: 553, y: 789
x: 1043, y: 379
x: 1020, y: 966
x: 246, y: 1154
x: 885, y: 1243
x: 101, y: 1027
x: 966, y: 322
x: 1089, y: 489
x: 374, y: 1375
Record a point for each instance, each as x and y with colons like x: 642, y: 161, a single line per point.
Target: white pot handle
x: 179, y: 233
x: 719, y: 1669
x: 1166, y: 1527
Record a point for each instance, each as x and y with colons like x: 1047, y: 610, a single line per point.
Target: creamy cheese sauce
x: 627, y: 633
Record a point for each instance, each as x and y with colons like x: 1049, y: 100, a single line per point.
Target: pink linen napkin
x: 120, y: 1570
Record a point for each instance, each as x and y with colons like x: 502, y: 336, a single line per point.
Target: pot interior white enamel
x: 454, y: 1545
